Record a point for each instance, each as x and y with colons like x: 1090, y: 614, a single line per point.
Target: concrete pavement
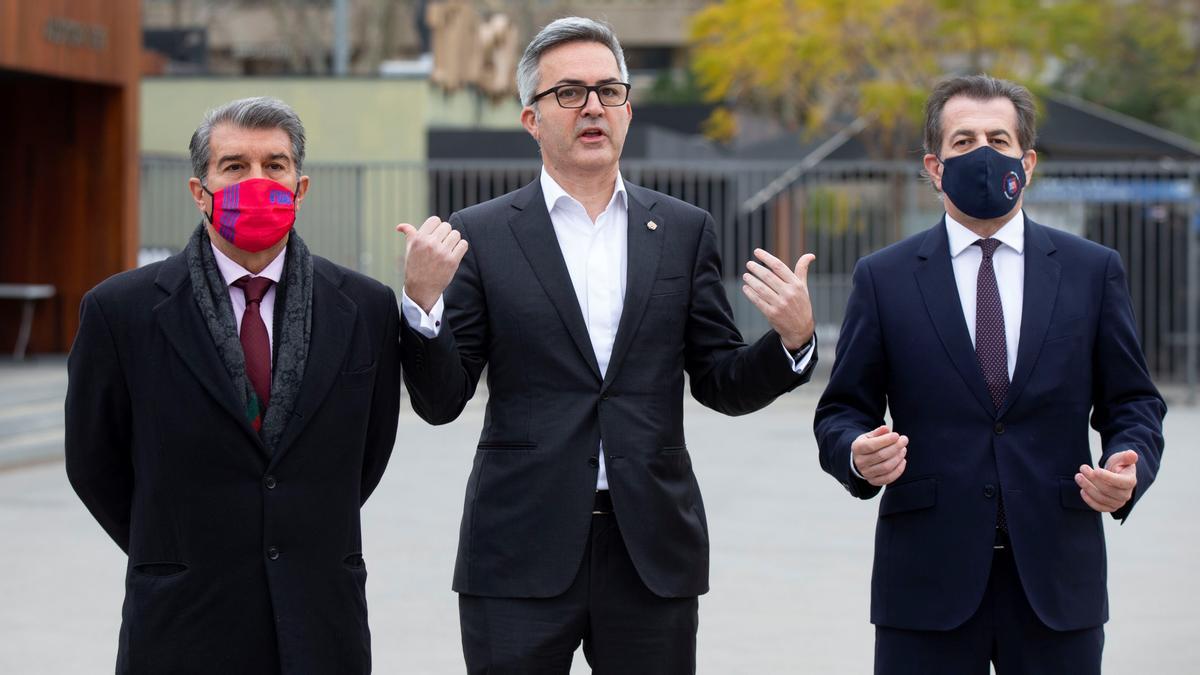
x: 790, y: 563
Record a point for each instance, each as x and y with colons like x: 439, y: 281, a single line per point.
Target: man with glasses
x: 588, y: 298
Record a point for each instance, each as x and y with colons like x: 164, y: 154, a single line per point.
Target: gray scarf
x: 293, y: 328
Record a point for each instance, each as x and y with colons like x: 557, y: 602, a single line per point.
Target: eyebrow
x: 565, y: 80
x: 970, y: 132
x: 242, y: 158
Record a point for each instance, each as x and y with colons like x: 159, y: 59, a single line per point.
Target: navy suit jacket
x: 904, y: 346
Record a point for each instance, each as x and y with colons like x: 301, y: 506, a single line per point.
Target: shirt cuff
x: 801, y: 365
x: 428, y: 325
x: 854, y: 469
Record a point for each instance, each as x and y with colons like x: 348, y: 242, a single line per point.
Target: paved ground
x: 791, y: 556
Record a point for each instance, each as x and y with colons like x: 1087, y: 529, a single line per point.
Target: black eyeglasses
x: 610, y: 94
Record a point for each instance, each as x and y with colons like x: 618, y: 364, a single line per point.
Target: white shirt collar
x: 231, y: 271
x: 554, y: 193
x: 1011, y: 235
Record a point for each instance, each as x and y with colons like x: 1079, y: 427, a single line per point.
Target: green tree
x: 814, y: 64
x: 1142, y: 61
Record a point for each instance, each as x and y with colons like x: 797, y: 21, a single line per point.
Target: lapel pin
x: 652, y: 226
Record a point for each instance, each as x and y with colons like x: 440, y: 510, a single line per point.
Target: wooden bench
x: 30, y: 294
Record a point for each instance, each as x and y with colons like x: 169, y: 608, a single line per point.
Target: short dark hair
x: 980, y: 88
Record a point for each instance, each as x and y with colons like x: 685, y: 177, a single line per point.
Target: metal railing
x: 1149, y: 213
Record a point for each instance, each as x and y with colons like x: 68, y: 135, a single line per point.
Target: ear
x: 529, y: 120
x: 199, y: 196
x: 933, y: 167
x: 301, y: 190
x: 1029, y: 161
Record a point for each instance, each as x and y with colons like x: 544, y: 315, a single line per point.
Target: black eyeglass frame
x: 591, y: 88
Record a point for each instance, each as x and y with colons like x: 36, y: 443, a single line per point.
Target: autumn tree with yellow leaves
x: 816, y: 64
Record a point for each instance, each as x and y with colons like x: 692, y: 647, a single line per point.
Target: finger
x: 756, y: 299
x: 1096, y: 494
x: 452, y: 239
x: 884, y: 455
x: 776, y: 265
x: 802, y: 267
x: 441, y: 231
x: 884, y: 468
x: 460, y: 250
x: 894, y: 475
x: 768, y: 276
x: 878, y: 431
x: 1104, y: 478
x: 430, y: 224
x: 406, y: 229
x: 764, y: 291
x: 869, y: 445
x: 1095, y: 505
x: 1121, y: 460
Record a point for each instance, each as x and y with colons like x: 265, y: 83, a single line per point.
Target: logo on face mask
x: 1012, y: 185
x: 983, y: 183
x: 254, y: 214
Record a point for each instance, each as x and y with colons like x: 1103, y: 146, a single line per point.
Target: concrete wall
x: 347, y: 120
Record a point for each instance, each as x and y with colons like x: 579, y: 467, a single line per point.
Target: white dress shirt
x: 596, y: 254
x: 231, y: 272
x: 1008, y: 262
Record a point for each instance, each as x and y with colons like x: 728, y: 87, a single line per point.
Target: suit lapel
x: 1042, y: 274
x: 644, y: 248
x: 180, y: 320
x: 333, y: 319
x: 935, y: 278
x: 534, y: 232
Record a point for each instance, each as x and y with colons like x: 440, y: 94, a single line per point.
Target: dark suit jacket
x: 512, y: 307
x: 159, y: 451
x: 904, y: 346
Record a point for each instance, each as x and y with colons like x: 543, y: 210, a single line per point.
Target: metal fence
x: 1149, y: 213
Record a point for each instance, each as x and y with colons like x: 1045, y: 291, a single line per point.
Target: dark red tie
x: 991, y: 345
x: 255, y: 343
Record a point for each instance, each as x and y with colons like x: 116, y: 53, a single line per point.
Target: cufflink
x: 652, y: 226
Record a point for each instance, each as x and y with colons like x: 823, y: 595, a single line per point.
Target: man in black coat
x: 587, y: 298
x: 229, y: 411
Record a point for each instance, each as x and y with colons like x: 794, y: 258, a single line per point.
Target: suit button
x: 593, y: 461
x: 603, y: 397
x: 999, y: 428
x: 272, y: 553
x: 989, y: 491
x: 269, y: 482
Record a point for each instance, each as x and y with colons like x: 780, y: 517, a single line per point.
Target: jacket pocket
x: 911, y: 496
x: 159, y: 569
x: 502, y: 446
x: 1068, y: 494
x: 359, y: 378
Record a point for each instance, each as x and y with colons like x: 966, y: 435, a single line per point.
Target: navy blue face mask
x: 983, y: 183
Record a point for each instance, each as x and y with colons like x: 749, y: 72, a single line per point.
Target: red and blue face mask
x: 254, y: 214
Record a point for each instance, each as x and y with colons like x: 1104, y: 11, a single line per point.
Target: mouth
x: 592, y: 135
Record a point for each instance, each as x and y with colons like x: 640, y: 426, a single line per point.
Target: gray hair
x: 259, y: 112
x: 979, y: 88
x: 558, y: 32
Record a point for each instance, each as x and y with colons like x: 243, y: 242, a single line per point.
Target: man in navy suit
x: 991, y: 339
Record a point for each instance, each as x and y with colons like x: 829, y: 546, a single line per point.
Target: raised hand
x: 434, y: 252
x: 880, y: 455
x: 1110, y: 488
x: 781, y: 294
